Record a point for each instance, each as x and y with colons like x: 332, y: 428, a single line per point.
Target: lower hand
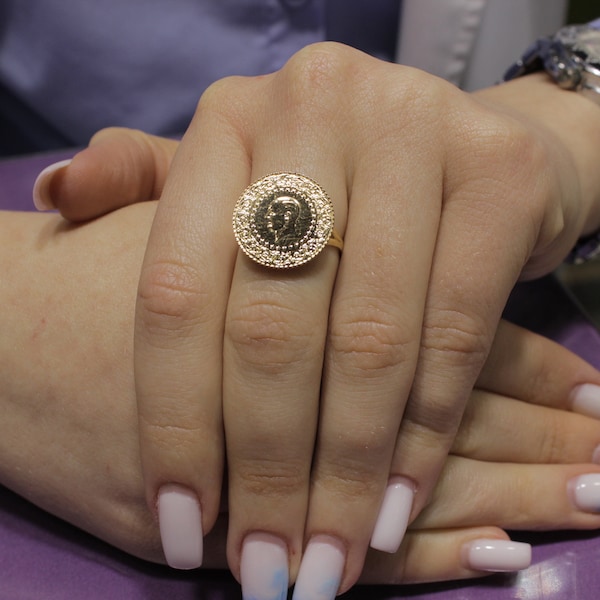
x: 73, y: 374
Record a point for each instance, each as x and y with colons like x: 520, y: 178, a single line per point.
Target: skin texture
x: 69, y: 384
x: 444, y: 200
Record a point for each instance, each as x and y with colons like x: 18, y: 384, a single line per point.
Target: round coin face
x: 283, y: 220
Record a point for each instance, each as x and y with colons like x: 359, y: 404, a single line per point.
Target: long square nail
x: 264, y: 567
x: 585, y: 492
x: 180, y: 522
x: 585, y: 399
x: 394, y: 513
x: 321, y: 569
x: 496, y: 556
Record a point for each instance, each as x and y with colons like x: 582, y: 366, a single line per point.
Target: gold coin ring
x: 284, y: 220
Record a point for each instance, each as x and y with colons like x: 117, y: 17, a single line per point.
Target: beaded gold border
x: 303, y: 250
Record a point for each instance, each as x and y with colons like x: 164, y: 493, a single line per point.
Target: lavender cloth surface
x: 44, y: 558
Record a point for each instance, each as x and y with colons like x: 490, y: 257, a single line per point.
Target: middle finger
x: 274, y: 342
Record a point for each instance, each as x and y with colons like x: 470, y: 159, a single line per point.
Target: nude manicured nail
x: 585, y: 492
x: 499, y: 556
x: 41, y: 187
x: 585, y: 400
x: 321, y: 569
x: 264, y: 567
x: 180, y: 521
x: 392, y: 520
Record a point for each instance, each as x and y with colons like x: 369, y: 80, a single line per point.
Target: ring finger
x: 274, y: 342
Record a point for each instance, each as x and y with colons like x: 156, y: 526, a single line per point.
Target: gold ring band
x: 335, y: 240
x: 284, y: 220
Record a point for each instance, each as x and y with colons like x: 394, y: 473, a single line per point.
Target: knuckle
x: 455, y: 337
x: 169, y: 440
x: 522, y: 154
x: 368, y: 346
x: 522, y: 150
x: 171, y: 296
x: 542, y: 212
x: 554, y: 444
x: 505, y: 152
x: 216, y: 95
x: 269, y: 336
x: 451, y: 340
x: 226, y: 100
x: 271, y: 478
x: 350, y: 481
x: 424, y: 93
x: 348, y: 470
x: 312, y: 80
x: 433, y: 422
x: 108, y: 132
x: 318, y: 66
x: 467, y: 441
x: 525, y: 511
x: 541, y: 374
x: 428, y: 103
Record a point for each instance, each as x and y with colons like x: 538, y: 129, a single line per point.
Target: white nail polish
x: 180, y: 522
x: 496, y: 556
x: 585, y: 492
x: 393, y: 515
x: 264, y: 567
x: 321, y: 569
x: 585, y: 399
x: 41, y: 186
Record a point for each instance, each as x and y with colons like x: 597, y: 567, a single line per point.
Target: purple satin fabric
x: 70, y: 69
x: 43, y: 557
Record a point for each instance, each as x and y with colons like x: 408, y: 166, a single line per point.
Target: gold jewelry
x: 284, y: 220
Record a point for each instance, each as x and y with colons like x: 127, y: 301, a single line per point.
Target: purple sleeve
x: 80, y: 66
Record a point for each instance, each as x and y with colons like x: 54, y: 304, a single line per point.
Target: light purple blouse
x: 76, y: 67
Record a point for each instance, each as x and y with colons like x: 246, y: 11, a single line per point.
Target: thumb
x: 119, y: 167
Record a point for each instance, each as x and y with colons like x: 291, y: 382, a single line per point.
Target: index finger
x: 179, y: 322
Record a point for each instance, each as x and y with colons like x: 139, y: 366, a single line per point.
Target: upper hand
x: 444, y: 200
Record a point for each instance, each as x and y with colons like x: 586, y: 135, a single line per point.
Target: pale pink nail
x: 596, y: 455
x: 180, y: 522
x: 264, y: 567
x: 41, y: 187
x: 392, y: 520
x: 585, y: 400
x: 321, y: 569
x: 496, y: 555
x: 585, y: 492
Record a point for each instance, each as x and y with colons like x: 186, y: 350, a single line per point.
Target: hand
x: 72, y: 374
x: 440, y: 217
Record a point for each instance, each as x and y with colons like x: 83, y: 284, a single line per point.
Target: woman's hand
x: 359, y: 366
x: 69, y: 297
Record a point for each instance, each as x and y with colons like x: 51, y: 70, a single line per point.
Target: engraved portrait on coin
x: 283, y: 220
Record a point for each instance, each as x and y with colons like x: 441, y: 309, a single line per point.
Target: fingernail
x: 585, y: 492
x: 392, y: 520
x: 496, y: 555
x: 596, y: 455
x: 321, y: 569
x: 180, y: 522
x: 264, y: 567
x: 42, y: 199
x: 585, y: 399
